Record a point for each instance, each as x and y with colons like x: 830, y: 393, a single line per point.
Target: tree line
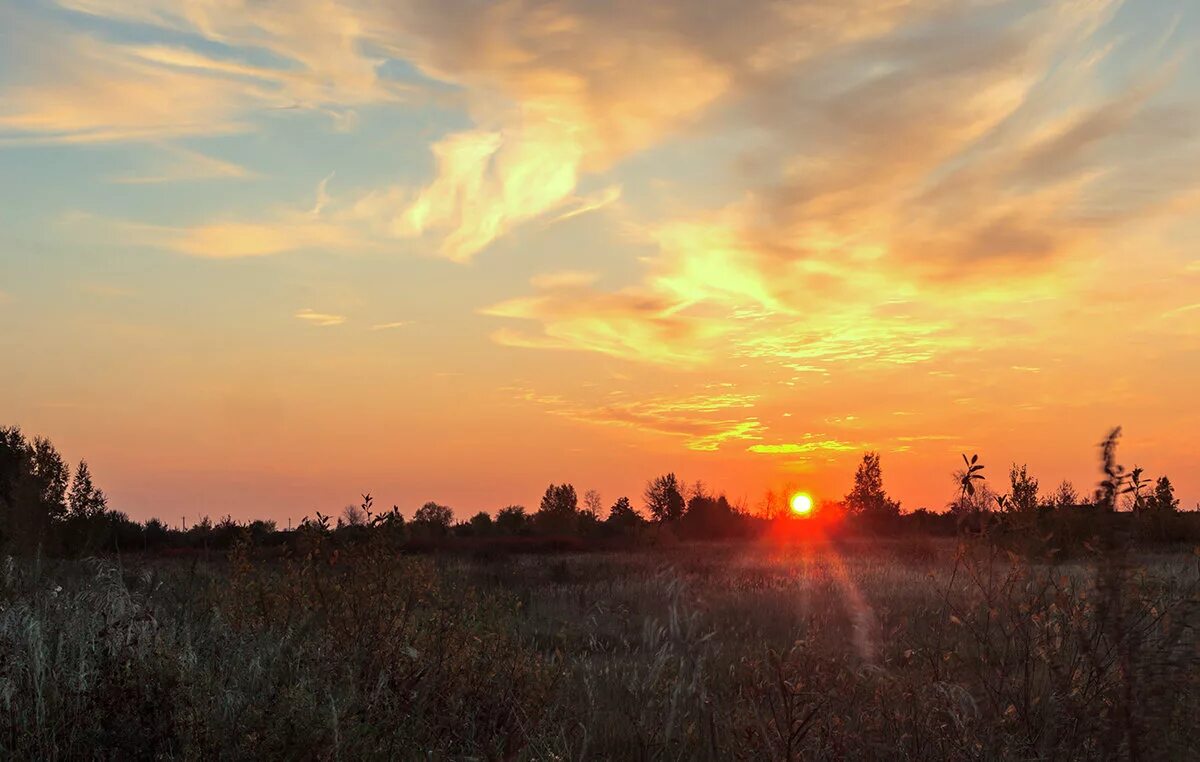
x: 47, y: 507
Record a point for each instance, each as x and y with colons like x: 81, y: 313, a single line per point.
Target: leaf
x: 974, y: 459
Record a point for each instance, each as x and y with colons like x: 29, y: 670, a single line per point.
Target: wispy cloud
x: 704, y: 421
x: 910, y: 186
x: 321, y: 319
x: 390, y: 326
x: 799, y: 448
x: 185, y: 165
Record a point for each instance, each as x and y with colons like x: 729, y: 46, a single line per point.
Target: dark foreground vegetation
x: 1042, y: 632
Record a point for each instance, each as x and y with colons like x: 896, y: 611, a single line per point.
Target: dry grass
x: 872, y: 649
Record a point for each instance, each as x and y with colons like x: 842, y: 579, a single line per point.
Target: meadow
x: 852, y: 648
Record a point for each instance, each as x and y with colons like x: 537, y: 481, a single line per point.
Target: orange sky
x: 258, y: 258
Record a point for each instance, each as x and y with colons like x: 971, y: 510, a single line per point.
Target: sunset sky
x: 257, y: 258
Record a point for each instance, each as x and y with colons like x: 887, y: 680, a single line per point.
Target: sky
x: 258, y: 258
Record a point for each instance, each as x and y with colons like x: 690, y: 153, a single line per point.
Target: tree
x: 664, y: 501
x: 1024, y: 495
x: 482, y: 524
x: 1163, y: 498
x: 51, y: 475
x: 623, y: 515
x: 710, y: 517
x: 84, y: 500
x: 33, y: 484
x: 868, y: 498
x: 592, y: 504
x: 354, y: 516
x: 433, y: 518
x: 1065, y: 496
x: 559, y: 511
x: 559, y: 499
x: 512, y: 520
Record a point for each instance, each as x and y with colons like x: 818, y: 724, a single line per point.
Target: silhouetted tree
x: 1065, y: 496
x: 482, y: 524
x: 868, y: 499
x: 85, y: 500
x: 433, y: 519
x: 512, y: 520
x: 559, y: 510
x: 156, y: 532
x: 623, y: 516
x: 592, y: 503
x: 664, y: 501
x: 1024, y: 495
x: 33, y: 483
x: 354, y: 516
x: 559, y: 499
x: 51, y: 475
x: 1163, y: 498
x: 260, y: 530
x: 710, y: 518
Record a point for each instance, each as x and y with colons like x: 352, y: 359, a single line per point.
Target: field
x: 907, y: 649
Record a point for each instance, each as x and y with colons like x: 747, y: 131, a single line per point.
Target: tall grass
x: 865, y: 649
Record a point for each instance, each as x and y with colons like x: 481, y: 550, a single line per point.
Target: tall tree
x: 559, y: 499
x: 51, y: 474
x: 85, y: 500
x: 1164, y: 498
x: 512, y: 520
x: 592, y: 503
x: 868, y: 498
x: 433, y: 518
x: 664, y: 501
x: 1024, y: 494
x: 482, y: 524
x: 559, y: 510
x: 1065, y: 496
x: 623, y: 514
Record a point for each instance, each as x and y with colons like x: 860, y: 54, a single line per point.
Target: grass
x: 917, y: 649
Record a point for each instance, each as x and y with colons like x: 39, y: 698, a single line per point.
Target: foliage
x: 1024, y: 489
x: 559, y: 510
x: 664, y: 501
x: 868, y: 500
x: 1163, y: 498
x: 512, y: 520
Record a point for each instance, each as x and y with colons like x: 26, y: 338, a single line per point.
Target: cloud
x: 90, y: 88
x: 86, y: 91
x: 629, y: 324
x: 591, y: 203
x: 825, y: 445
x: 320, y: 319
x: 704, y: 421
x: 390, y: 326
x: 277, y: 231
x: 185, y: 165
x: 904, y: 185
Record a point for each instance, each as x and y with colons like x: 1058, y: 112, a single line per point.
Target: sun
x: 802, y: 504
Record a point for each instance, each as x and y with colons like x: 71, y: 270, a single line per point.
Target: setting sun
x: 802, y: 504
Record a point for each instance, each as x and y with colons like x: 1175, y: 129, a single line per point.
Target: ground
x: 913, y: 648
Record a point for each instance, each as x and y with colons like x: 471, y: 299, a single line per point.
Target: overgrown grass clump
x: 864, y: 649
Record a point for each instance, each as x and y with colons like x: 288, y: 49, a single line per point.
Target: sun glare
x: 802, y: 504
